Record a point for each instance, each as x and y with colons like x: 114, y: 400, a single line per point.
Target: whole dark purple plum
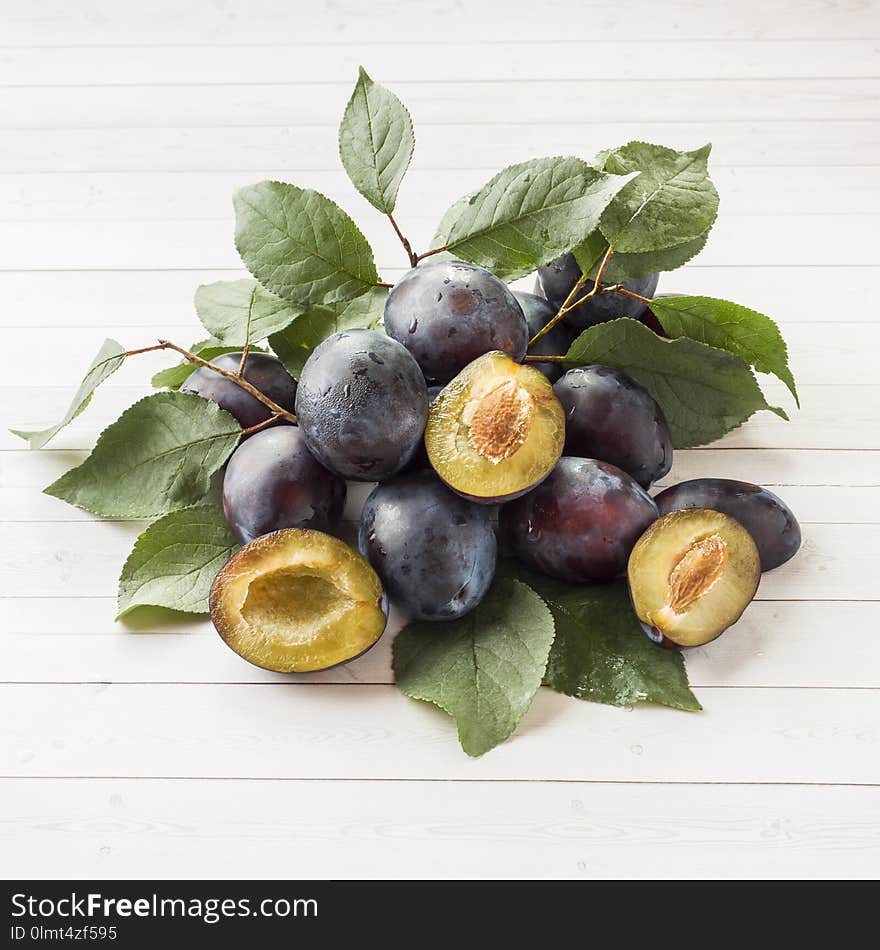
x: 581, y: 523
x: 272, y: 481
x: 265, y: 372
x: 765, y: 516
x: 558, y: 278
x: 434, y: 551
x: 447, y: 313
x: 611, y: 417
x: 539, y: 312
x: 362, y: 404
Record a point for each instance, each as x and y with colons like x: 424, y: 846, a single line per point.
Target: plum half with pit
x: 273, y: 481
x: 539, y: 312
x: 611, y: 417
x: 434, y: 551
x: 766, y: 517
x: 266, y: 373
x: 447, y: 313
x: 362, y: 404
x: 298, y: 600
x: 558, y: 278
x: 496, y: 430
x: 691, y: 575
x: 581, y: 523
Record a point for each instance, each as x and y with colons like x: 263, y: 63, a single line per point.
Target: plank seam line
x: 485, y: 81
x: 463, y: 781
x: 775, y: 120
x: 677, y: 40
x: 348, y: 683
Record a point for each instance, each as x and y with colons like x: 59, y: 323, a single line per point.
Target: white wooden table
x: 124, y: 127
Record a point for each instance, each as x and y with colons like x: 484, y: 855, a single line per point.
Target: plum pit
x: 691, y: 575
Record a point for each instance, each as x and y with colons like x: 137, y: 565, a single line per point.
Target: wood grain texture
x: 353, y: 829
x: 127, y: 750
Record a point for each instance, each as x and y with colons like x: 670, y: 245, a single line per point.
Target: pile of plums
x: 442, y: 411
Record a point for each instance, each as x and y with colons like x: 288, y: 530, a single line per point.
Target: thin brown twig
x: 431, y: 253
x: 413, y: 258
x: 244, y: 356
x: 381, y: 283
x: 570, y: 303
x: 146, y: 349
x: 262, y: 425
x: 234, y: 377
x: 620, y: 289
x: 534, y: 358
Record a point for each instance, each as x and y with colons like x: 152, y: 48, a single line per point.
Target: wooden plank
x: 834, y: 416
x: 546, y: 61
x: 442, y: 101
x: 107, y: 22
x: 86, y: 198
x: 301, y: 731
x: 218, y: 830
x: 137, y: 299
x: 814, y: 483
x: 819, y: 352
x: 206, y: 244
x: 75, y: 640
x: 836, y: 562
x: 486, y: 146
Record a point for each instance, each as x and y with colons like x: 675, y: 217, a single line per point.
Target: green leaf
x: 174, y: 562
x: 729, y: 326
x: 294, y: 345
x: 624, y: 267
x: 703, y: 391
x: 530, y: 214
x: 483, y: 669
x: 376, y: 142
x: 157, y: 457
x: 110, y: 357
x: 236, y: 312
x: 600, y: 652
x: 301, y: 245
x: 671, y: 202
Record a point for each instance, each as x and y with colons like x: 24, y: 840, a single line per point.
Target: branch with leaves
x: 629, y: 212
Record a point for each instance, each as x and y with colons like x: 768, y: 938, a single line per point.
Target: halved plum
x: 691, y: 575
x: 298, y: 600
x: 496, y: 430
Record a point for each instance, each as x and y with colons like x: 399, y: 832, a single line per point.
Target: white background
x: 124, y: 127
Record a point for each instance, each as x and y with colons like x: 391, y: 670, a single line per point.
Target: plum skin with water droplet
x: 434, y: 551
x: 263, y: 371
x: 766, y: 517
x: 362, y: 404
x: 447, y: 313
x: 272, y: 481
x: 581, y: 523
